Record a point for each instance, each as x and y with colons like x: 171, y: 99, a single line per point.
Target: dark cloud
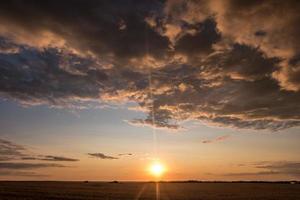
x: 269, y: 19
x: 106, y: 28
x: 102, y: 156
x: 200, y: 40
x: 20, y: 165
x: 7, y: 46
x: 43, y: 71
x: 241, y: 62
x: 225, y: 63
x: 260, y: 33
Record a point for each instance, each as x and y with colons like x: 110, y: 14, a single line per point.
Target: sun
x: 157, y: 169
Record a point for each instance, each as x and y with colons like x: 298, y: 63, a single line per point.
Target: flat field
x: 10, y: 190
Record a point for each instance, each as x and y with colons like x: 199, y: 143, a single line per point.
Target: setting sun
x: 157, y: 169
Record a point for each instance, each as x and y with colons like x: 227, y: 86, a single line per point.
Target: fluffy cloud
x: 226, y: 63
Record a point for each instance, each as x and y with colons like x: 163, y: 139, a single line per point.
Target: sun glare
x: 157, y: 169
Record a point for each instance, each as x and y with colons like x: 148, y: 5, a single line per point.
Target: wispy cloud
x: 125, y: 154
x: 102, y: 156
x: 11, y: 154
x: 217, y: 139
x: 290, y: 168
x: 20, y: 173
x: 20, y: 165
x: 49, y: 158
x: 9, y: 149
x: 12, y: 151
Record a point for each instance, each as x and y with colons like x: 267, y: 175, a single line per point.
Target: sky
x: 99, y: 90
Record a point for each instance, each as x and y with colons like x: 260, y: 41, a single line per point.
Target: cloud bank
x: 225, y: 63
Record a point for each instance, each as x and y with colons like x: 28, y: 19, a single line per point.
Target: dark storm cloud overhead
x: 48, y: 76
x: 106, y: 28
x: 102, y: 156
x: 279, y: 21
x: 7, y: 46
x: 241, y: 62
x: 20, y: 165
x: 225, y: 63
x: 201, y: 41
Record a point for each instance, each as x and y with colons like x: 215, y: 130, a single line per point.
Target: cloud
x: 200, y: 40
x: 20, y: 165
x: 12, y: 151
x: 125, y: 154
x: 122, y: 38
x: 290, y: 168
x: 11, y: 154
x: 217, y: 139
x: 157, y: 124
x: 102, y: 156
x: 5, y: 158
x: 50, y: 158
x: 261, y: 173
x: 262, y: 24
x: 20, y: 173
x: 230, y: 63
x: 284, y: 167
x: 9, y: 150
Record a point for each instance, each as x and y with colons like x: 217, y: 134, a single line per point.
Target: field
x: 134, y: 190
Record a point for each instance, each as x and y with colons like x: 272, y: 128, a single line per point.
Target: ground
x: 135, y: 190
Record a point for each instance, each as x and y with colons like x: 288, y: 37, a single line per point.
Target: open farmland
x: 136, y: 190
